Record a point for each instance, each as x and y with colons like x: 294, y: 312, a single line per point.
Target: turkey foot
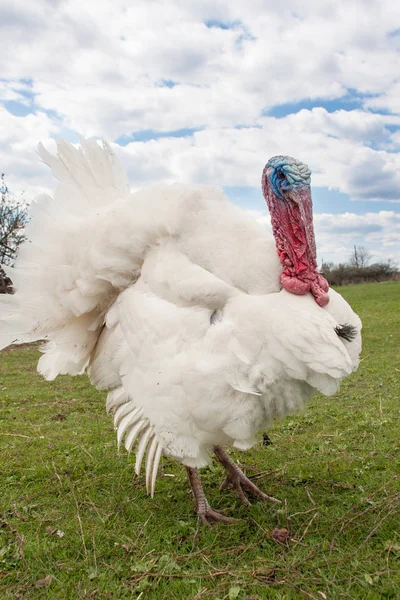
x: 208, y: 515
x: 238, y: 479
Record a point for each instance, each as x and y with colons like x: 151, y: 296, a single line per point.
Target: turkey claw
x: 209, y: 516
x: 238, y: 480
x: 241, y: 484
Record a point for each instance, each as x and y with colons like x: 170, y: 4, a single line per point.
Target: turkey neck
x: 292, y: 226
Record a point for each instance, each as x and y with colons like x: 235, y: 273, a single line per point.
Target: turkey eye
x: 280, y: 175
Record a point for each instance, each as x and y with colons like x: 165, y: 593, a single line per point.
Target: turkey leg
x: 203, y: 509
x: 239, y: 481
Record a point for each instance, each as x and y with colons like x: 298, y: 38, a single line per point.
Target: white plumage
x: 171, y: 299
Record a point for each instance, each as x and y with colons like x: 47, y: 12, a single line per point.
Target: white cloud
x: 389, y: 100
x: 331, y: 143
x: 109, y: 68
x: 18, y: 157
x: 379, y: 232
x: 100, y: 65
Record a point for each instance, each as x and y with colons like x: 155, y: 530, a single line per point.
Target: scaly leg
x: 203, y: 509
x: 239, y: 481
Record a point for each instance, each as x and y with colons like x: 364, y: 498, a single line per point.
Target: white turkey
x: 179, y: 304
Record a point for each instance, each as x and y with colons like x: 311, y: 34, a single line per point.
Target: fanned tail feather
x: 115, y: 398
x: 133, y: 428
x: 152, y: 462
x: 59, y: 295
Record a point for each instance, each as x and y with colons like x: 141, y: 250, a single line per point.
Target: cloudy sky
x: 207, y: 90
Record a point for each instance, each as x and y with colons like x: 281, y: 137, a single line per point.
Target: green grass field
x: 76, y: 523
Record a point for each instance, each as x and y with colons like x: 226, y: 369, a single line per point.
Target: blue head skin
x: 287, y: 174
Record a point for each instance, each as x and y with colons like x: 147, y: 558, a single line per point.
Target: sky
x: 207, y: 91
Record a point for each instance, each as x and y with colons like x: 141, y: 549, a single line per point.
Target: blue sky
x: 207, y: 92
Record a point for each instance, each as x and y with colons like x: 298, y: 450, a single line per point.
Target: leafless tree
x: 13, y: 220
x: 360, y: 257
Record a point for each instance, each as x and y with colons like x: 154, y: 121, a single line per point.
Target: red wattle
x: 319, y: 288
x: 294, y: 285
x: 323, y: 283
x: 322, y: 300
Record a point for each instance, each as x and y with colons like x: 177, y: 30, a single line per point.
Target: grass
x: 75, y: 523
